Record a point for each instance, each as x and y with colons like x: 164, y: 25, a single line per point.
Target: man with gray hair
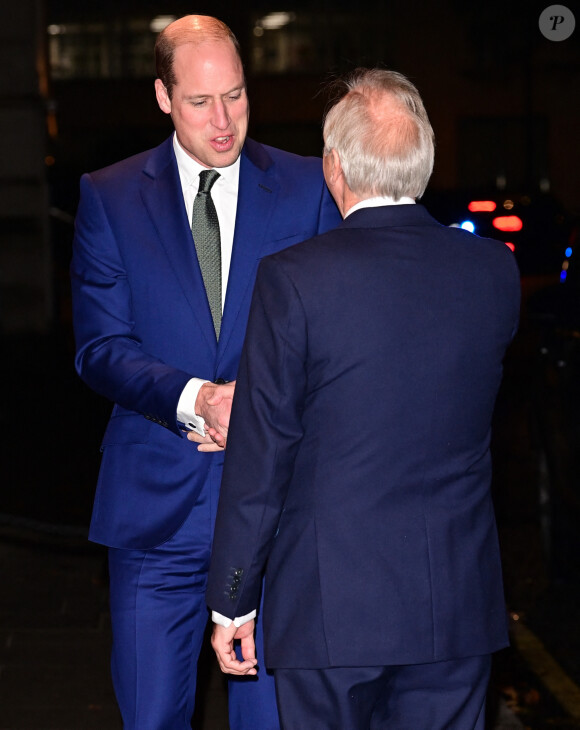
x: 357, y: 473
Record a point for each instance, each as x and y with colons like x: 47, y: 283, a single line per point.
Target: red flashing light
x: 481, y: 206
x: 508, y: 223
x: 510, y: 245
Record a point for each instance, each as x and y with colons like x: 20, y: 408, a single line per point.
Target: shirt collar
x: 189, y: 168
x: 378, y: 201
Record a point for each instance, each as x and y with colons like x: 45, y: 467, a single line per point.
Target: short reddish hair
x: 190, y: 29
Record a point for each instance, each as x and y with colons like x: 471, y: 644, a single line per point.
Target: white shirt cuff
x: 186, y: 406
x: 224, y: 621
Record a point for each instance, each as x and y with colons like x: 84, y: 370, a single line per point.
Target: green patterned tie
x: 206, y: 235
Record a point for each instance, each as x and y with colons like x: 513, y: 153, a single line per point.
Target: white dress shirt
x: 377, y: 202
x: 224, y: 194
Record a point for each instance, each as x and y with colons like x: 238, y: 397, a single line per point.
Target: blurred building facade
x: 500, y: 96
x: 25, y: 262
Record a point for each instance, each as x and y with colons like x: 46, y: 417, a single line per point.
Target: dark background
x: 503, y: 101
x: 77, y: 94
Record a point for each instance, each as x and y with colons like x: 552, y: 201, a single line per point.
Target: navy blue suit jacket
x: 143, y: 326
x: 358, y: 467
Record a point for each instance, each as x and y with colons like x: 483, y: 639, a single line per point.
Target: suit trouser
x: 440, y: 696
x: 158, y: 616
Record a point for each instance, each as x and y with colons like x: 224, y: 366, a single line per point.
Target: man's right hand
x: 214, y: 405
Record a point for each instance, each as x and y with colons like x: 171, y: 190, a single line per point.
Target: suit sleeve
x: 264, y: 436
x: 110, y: 358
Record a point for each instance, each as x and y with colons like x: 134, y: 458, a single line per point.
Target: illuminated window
x: 117, y: 49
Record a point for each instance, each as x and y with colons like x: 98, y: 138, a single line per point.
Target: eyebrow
x: 208, y: 96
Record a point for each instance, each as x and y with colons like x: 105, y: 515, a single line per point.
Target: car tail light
x: 481, y: 206
x: 511, y: 223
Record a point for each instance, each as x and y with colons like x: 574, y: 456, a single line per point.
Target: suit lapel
x: 257, y: 195
x: 160, y: 191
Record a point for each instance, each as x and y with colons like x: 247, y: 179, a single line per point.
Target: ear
x: 162, y: 97
x: 334, y: 169
x: 334, y: 178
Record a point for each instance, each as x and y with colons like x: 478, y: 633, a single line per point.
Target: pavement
x: 54, y: 622
x: 55, y: 639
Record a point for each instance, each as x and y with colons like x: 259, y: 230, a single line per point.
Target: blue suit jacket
x: 358, y: 466
x: 143, y: 326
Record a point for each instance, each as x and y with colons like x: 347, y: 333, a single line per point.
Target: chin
x: 226, y: 160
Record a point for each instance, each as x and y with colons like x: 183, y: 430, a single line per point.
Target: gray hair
x: 382, y: 135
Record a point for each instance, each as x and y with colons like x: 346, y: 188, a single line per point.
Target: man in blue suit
x: 357, y: 469
x: 149, y: 339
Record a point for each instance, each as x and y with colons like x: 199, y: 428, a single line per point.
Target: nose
x: 221, y: 118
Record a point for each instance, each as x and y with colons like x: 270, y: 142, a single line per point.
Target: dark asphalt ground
x: 54, y: 630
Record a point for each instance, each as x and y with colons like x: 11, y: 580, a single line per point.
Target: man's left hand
x: 207, y: 443
x: 222, y: 642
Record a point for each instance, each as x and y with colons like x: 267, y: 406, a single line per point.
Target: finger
x: 237, y: 667
x: 210, y: 448
x: 230, y: 664
x: 194, y: 436
x: 219, y: 440
x: 248, y: 647
x: 218, y: 435
x: 222, y: 641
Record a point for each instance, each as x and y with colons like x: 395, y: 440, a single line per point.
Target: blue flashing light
x: 568, y: 252
x: 468, y: 226
x: 563, y: 275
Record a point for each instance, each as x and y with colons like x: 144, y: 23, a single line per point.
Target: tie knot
x: 207, y: 179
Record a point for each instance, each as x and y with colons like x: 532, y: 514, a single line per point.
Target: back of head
x: 382, y: 135
x: 196, y: 29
